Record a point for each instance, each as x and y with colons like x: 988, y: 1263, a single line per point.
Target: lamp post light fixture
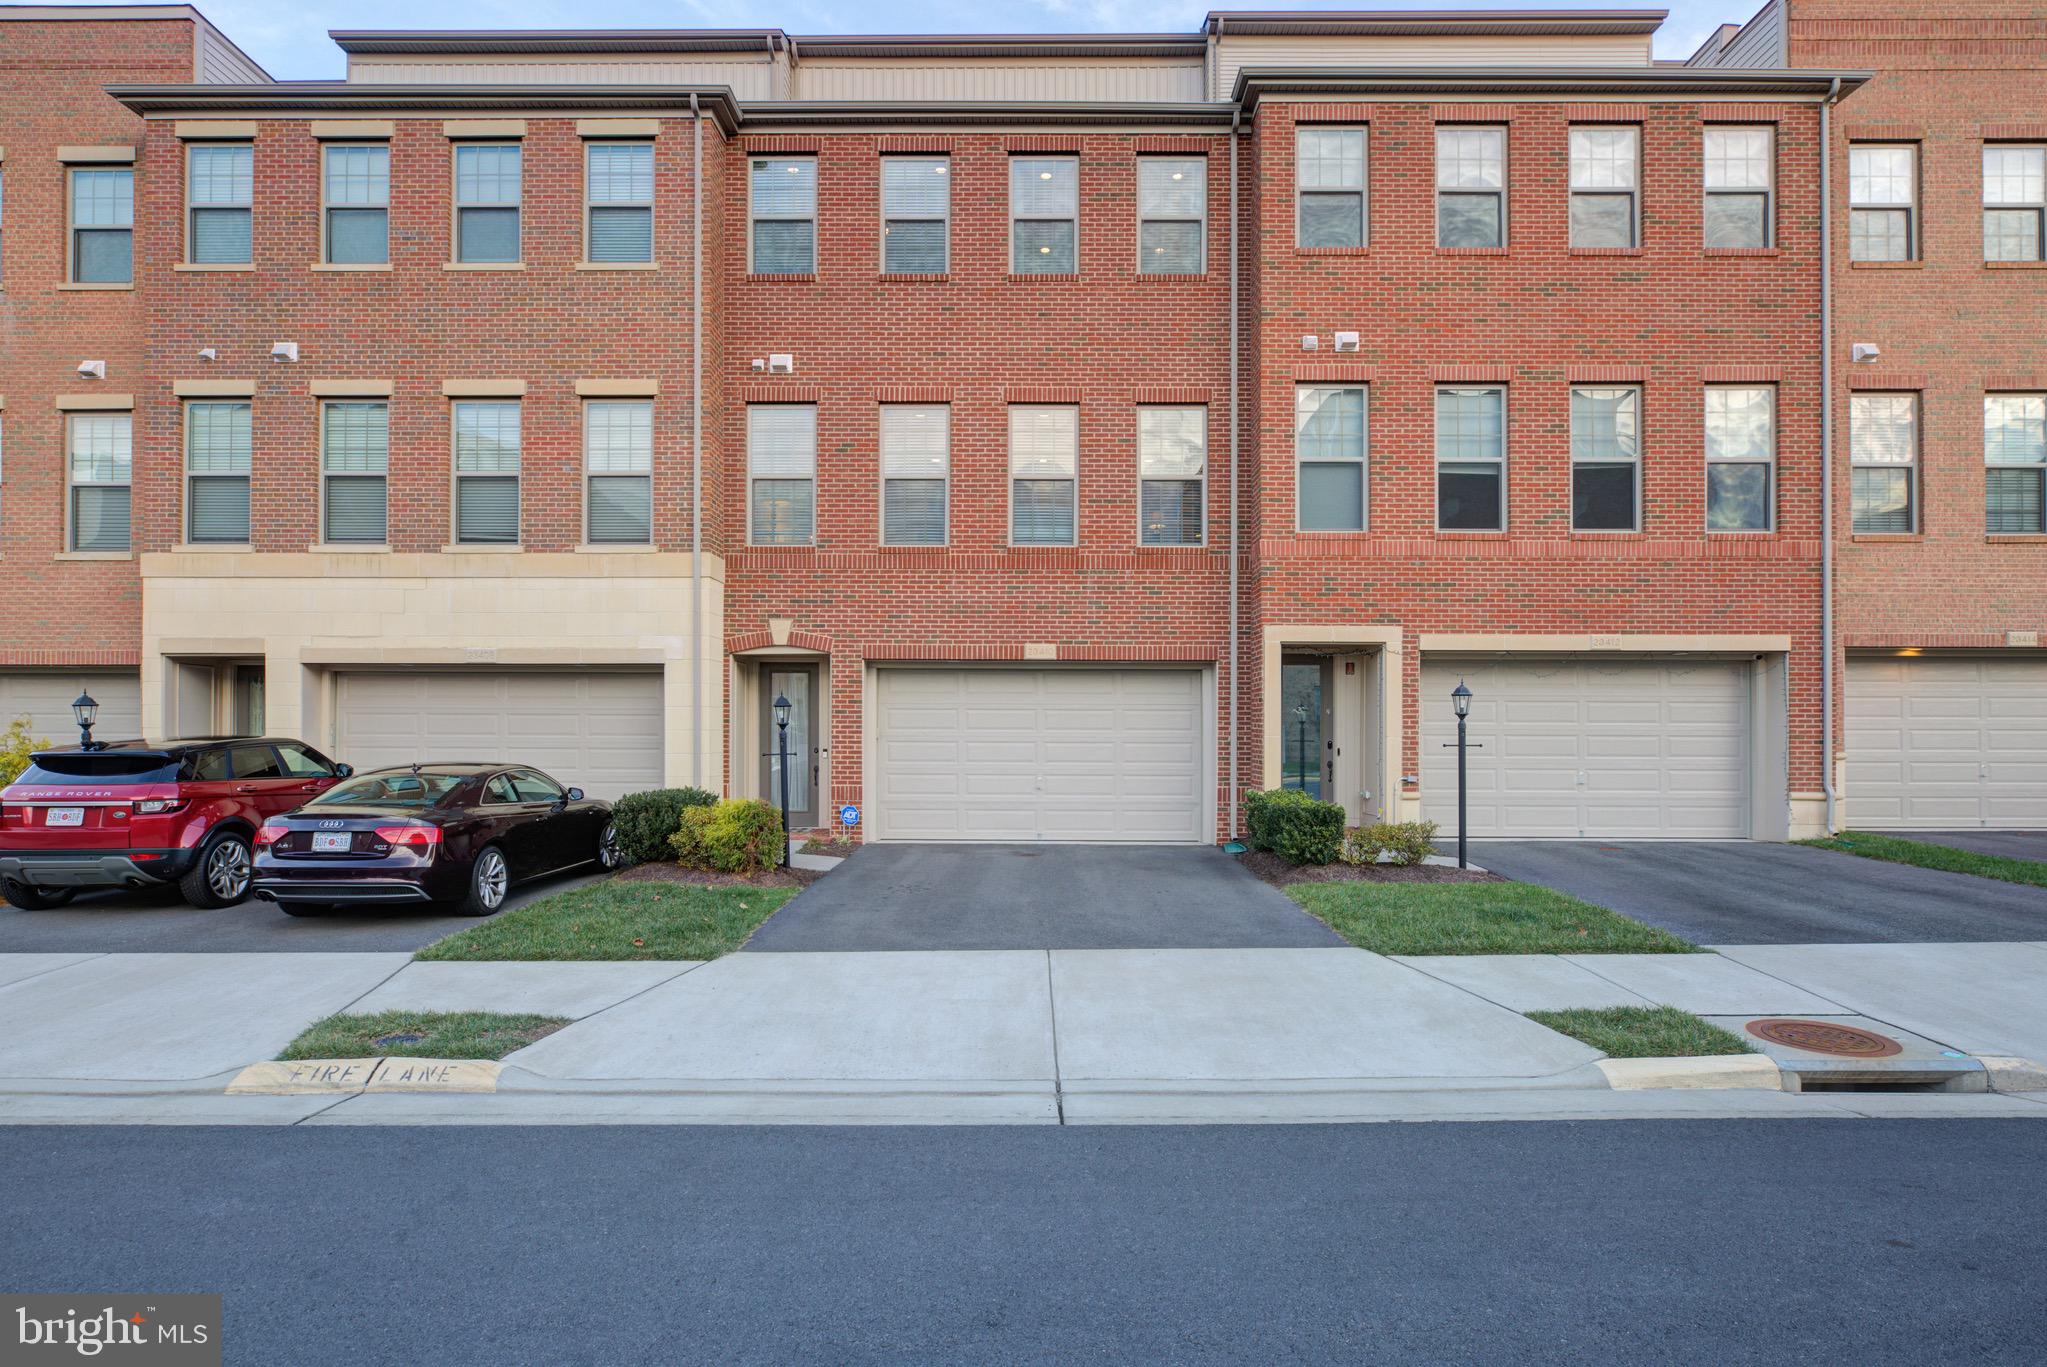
x: 782, y: 709
x: 86, y: 709
x: 1460, y: 702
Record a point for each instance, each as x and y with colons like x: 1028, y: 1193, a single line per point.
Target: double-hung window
x: 1883, y: 456
x: 1044, y: 215
x: 618, y: 179
x: 1172, y: 469
x: 1606, y: 177
x: 618, y: 472
x: 103, y: 225
x: 1741, y: 458
x: 220, y: 190
x: 356, y: 180
x: 1471, y: 459
x: 1329, y: 458
x: 1329, y: 187
x: 784, y: 206
x: 1044, y: 468
x: 1740, y: 172
x: 2014, y: 203
x: 2015, y: 454
x: 486, y: 472
x: 916, y: 459
x: 1471, y: 186
x: 781, y: 473
x: 487, y: 177
x: 1606, y: 458
x: 916, y: 214
x: 1883, y: 196
x: 1172, y: 204
x: 355, y: 461
x: 101, y: 455
x: 218, y: 448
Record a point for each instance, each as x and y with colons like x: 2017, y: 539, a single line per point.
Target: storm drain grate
x: 1824, y: 1037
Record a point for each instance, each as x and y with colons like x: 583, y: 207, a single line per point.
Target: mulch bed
x: 676, y: 873
x: 837, y: 849
x: 1278, y: 872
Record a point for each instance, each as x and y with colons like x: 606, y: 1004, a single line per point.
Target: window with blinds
x: 1740, y: 171
x: 1471, y: 187
x: 1606, y: 459
x: 916, y: 213
x: 356, y: 183
x: 355, y: 460
x: 916, y: 458
x: 1329, y: 458
x: 1883, y: 455
x: 1471, y: 459
x: 1044, y: 215
x: 103, y: 226
x: 1044, y: 466
x: 619, y: 181
x: 2014, y: 203
x: 618, y: 478
x: 220, y: 189
x: 1606, y: 172
x: 1883, y: 203
x: 781, y: 471
x: 1172, y: 209
x: 100, y: 460
x: 487, y: 177
x: 218, y: 445
x: 1329, y: 187
x: 1172, y: 468
x: 1741, y: 458
x: 2015, y: 452
x: 486, y: 472
x: 784, y: 206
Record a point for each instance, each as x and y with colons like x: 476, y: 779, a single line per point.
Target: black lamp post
x: 782, y: 762
x: 1301, y: 745
x: 87, y: 710
x: 1460, y: 701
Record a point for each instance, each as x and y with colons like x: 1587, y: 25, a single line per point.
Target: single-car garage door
x: 1634, y: 748
x: 1946, y: 743
x: 600, y: 732
x: 1112, y: 755
x: 45, y: 697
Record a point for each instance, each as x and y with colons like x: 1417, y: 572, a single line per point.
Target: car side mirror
x: 344, y: 771
x: 575, y: 794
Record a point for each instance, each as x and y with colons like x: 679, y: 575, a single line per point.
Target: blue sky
x: 291, y: 39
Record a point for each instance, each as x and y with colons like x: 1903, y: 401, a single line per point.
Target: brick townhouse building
x: 1075, y: 430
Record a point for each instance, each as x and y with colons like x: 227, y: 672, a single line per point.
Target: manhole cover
x: 386, y: 1041
x: 1824, y: 1037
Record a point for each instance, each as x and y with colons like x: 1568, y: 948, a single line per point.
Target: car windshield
x: 105, y: 770
x: 402, y: 789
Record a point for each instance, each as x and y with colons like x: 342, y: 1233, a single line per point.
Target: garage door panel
x: 1947, y: 742
x: 45, y: 697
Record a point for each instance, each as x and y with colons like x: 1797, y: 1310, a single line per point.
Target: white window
x: 1329, y: 187
x: 2015, y: 450
x: 916, y: 460
x: 355, y: 462
x: 1471, y: 459
x: 1172, y: 206
x: 103, y: 226
x: 1044, y: 215
x: 1172, y: 470
x: 916, y: 214
x: 1740, y: 176
x: 1471, y: 187
x: 218, y: 447
x: 1044, y: 466
x: 1329, y: 458
x: 618, y: 472
x: 1741, y: 458
x: 781, y: 470
x: 356, y: 182
x: 1606, y: 174
x: 618, y: 179
x: 1883, y: 192
x: 101, y: 465
x: 1606, y: 458
x: 220, y: 190
x: 487, y: 178
x: 784, y: 200
x: 487, y: 456
x: 1883, y: 451
x: 2014, y: 203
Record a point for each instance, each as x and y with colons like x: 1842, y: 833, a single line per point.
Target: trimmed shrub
x: 1405, y: 842
x: 738, y: 835
x: 646, y: 821
x: 16, y: 745
x: 1294, y: 826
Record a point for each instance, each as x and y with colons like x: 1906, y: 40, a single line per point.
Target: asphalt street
x: 1864, y: 1241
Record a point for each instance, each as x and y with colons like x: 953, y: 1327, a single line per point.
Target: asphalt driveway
x: 894, y: 897
x: 1752, y: 893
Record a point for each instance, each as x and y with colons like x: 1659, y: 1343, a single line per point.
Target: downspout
x: 696, y: 446
x: 1827, y: 452
x: 1236, y: 655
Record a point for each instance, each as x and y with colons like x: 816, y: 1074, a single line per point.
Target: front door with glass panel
x: 799, y: 686
x: 1307, y: 720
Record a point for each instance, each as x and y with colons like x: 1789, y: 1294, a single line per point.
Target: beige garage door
x: 45, y: 697
x: 1953, y: 744
x: 1641, y: 749
x: 600, y: 732
x: 1099, y: 755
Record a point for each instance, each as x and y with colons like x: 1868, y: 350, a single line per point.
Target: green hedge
x: 1294, y: 826
x: 739, y: 835
x: 1407, y: 842
x: 647, y: 821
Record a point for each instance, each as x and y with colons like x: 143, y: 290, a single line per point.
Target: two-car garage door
x: 45, y: 698
x: 1954, y: 743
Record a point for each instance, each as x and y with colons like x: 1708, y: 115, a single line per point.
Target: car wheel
x: 610, y: 853
x: 30, y: 898
x: 489, y: 881
x: 221, y: 875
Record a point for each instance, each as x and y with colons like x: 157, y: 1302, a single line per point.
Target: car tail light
x: 271, y: 833
x: 155, y: 806
x: 400, y: 836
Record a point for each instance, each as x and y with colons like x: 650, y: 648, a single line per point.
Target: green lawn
x: 1477, y: 918
x: 1642, y: 1031
x: 442, y: 1034
x: 619, y: 920
x: 1898, y: 850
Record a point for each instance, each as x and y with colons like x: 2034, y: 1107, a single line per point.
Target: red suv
x: 130, y: 815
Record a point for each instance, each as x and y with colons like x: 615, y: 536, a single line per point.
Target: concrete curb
x: 343, y: 1076
x: 1751, y: 1072
x: 2007, y: 1074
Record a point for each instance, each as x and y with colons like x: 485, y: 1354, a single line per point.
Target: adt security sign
x: 849, y: 815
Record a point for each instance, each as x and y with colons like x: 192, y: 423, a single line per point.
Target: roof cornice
x: 1435, y: 23
x: 482, y: 42
x: 1254, y: 83
x: 783, y: 114
x: 286, y: 98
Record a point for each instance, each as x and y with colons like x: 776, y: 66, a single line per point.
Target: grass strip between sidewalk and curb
x: 1477, y: 918
x: 1642, y: 1032
x: 442, y: 1035
x: 1925, y: 855
x: 619, y: 920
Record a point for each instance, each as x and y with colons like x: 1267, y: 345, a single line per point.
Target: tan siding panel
x: 1161, y: 81
x: 749, y: 80
x: 1261, y: 52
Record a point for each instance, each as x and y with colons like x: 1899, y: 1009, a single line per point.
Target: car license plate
x: 65, y: 816
x: 330, y: 844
